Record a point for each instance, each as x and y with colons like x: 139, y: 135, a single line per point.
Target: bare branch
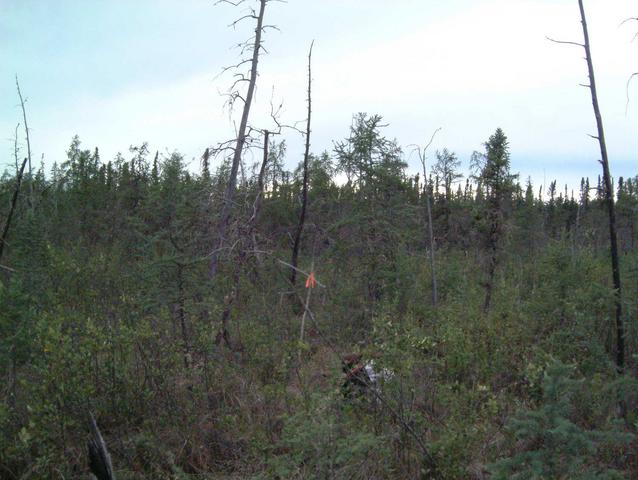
x: 627, y: 20
x: 563, y: 42
x: 627, y: 90
x: 241, y: 140
x: 275, y: 114
x: 232, y: 67
x: 245, y: 17
x: 238, y: 81
x: 432, y: 139
x: 303, y: 272
x: 234, y: 4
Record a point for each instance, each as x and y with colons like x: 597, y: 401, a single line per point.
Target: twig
x: 563, y: 42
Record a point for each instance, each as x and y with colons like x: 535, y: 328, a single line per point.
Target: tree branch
x: 563, y: 42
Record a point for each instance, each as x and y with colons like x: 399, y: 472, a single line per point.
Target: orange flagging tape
x: 310, y: 281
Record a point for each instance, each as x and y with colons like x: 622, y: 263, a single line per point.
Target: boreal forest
x: 335, y: 315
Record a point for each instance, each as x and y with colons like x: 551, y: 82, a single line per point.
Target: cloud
x: 468, y: 66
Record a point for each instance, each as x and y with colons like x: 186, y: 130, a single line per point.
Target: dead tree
x: 430, y: 230
x: 608, y: 193
x: 259, y: 195
x: 304, y: 198
x: 231, y: 187
x: 26, y: 131
x: 609, y: 198
x: 247, y: 238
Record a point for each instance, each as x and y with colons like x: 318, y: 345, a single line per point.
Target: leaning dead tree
x: 240, y: 142
x: 99, y: 458
x: 609, y: 194
x: 304, y: 195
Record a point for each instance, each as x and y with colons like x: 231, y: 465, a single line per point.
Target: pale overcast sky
x: 120, y: 72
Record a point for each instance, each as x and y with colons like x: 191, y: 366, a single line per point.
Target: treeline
x: 108, y: 306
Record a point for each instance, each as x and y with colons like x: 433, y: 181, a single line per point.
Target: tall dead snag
x: 26, y: 130
x: 231, y: 187
x: 609, y: 198
x: 14, y: 201
x: 304, y: 200
x: 428, y: 211
x: 609, y: 194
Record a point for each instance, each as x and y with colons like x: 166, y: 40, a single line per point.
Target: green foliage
x: 326, y: 440
x: 108, y: 306
x: 550, y: 444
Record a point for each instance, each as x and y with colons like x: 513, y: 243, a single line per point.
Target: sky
x: 122, y: 72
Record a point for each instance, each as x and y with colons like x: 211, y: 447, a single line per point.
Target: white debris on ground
x: 377, y: 378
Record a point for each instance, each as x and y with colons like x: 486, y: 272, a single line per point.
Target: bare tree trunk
x: 575, y: 231
x: 223, y: 335
x: 431, y: 241
x: 493, y: 261
x: 231, y: 187
x: 259, y: 195
x: 181, y: 313
x: 609, y: 200
x: 304, y: 201
x: 260, y: 178
x: 14, y: 201
x: 430, y: 230
x: 26, y: 130
x: 15, y: 148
